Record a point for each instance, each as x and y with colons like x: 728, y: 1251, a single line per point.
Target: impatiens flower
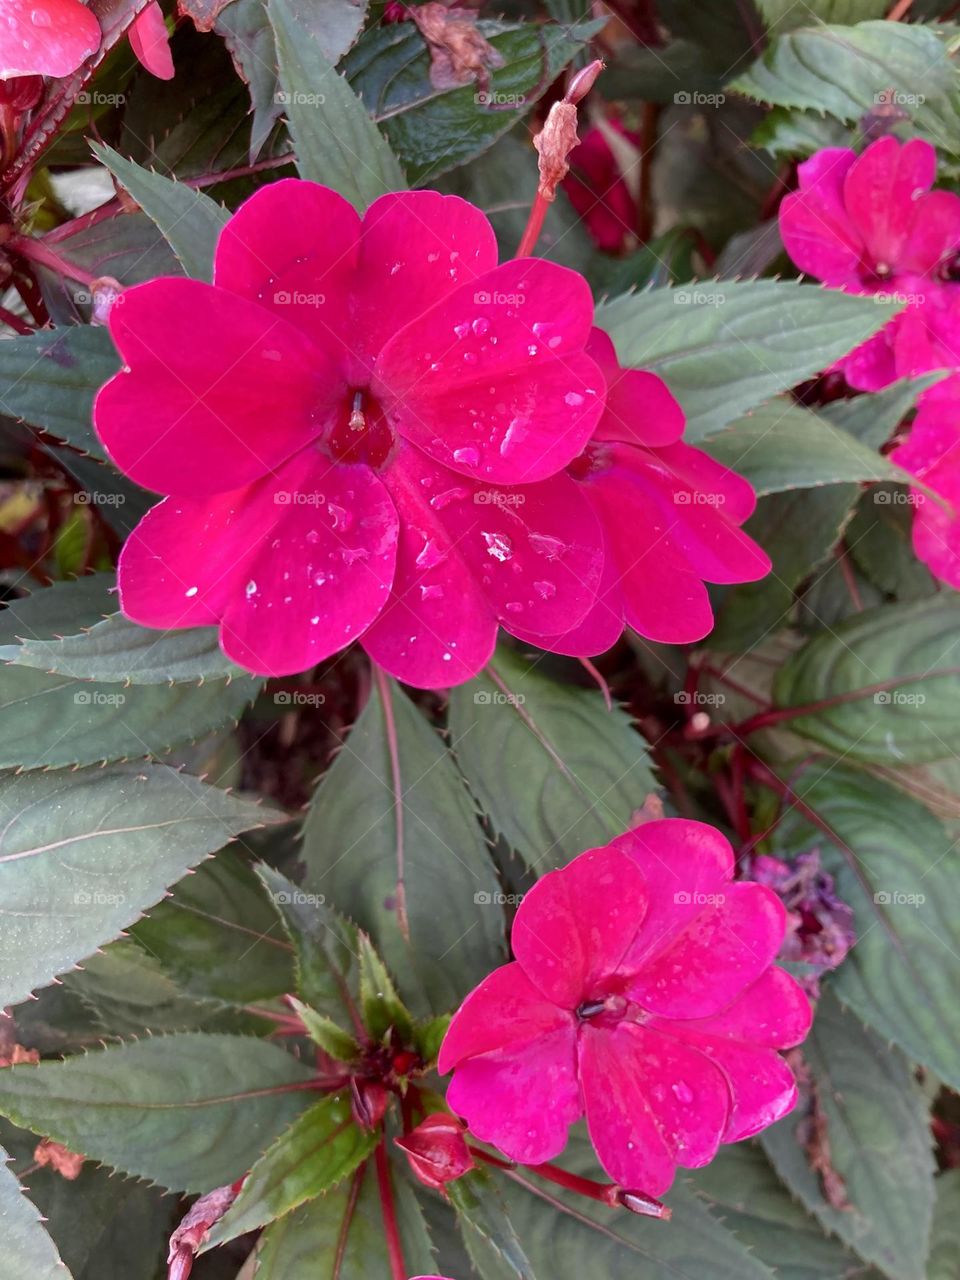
x: 643, y: 995
x: 670, y: 513
x: 45, y: 37
x: 600, y: 192
x: 150, y: 41
x: 361, y: 428
x: 871, y: 224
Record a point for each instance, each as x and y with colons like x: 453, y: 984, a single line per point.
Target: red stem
x: 15, y: 322
x: 398, y: 1269
x: 349, y: 1211
x: 534, y: 226
x: 38, y: 252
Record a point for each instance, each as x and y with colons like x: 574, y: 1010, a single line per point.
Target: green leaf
x: 218, y: 937
x: 27, y: 1249
x: 322, y: 1147
x: 784, y: 15
x: 434, y: 129
x: 336, y: 141
x: 374, y: 845
x: 847, y: 72
x: 50, y: 378
x: 877, y: 1126
x: 51, y: 720
x: 873, y: 419
x: 382, y: 1006
x: 487, y: 1230
x: 797, y: 529
x: 190, y: 1112
x: 781, y: 446
x: 118, y: 650
x: 746, y: 1195
x: 306, y: 1243
x: 724, y: 347
x: 555, y: 771
x: 880, y: 538
x: 326, y: 948
x: 189, y: 221
x: 87, y: 851
x: 895, y: 864
x: 570, y: 1237
x: 785, y: 133
x: 323, y: 1031
x: 882, y: 686
x: 945, y: 1239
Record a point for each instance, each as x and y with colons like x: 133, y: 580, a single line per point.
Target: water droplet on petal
x: 191, y: 592
x: 467, y: 456
x: 544, y: 544
x: 682, y: 1091
x: 499, y: 546
x: 573, y: 399
x: 480, y: 326
x: 251, y: 588
x: 432, y: 592
x: 545, y: 590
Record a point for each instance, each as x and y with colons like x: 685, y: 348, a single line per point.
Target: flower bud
x: 368, y: 1101
x: 437, y: 1151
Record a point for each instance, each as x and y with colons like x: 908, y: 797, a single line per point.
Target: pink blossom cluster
x: 367, y: 429
x: 642, y: 995
x: 871, y: 224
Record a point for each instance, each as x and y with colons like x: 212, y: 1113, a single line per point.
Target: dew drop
x: 573, y: 399
x: 432, y: 592
x: 544, y: 544
x: 480, y: 326
x: 499, y: 546
x: 191, y: 592
x: 461, y: 330
x: 545, y: 590
x: 251, y: 588
x: 682, y: 1092
x: 430, y: 555
x: 468, y: 456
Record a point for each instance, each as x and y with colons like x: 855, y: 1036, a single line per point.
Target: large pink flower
x: 671, y: 517
x: 643, y: 994
x: 871, y: 224
x: 361, y: 427
x: 932, y: 454
x: 45, y: 37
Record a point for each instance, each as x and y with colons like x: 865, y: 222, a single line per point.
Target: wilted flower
x: 643, y: 994
x: 871, y: 224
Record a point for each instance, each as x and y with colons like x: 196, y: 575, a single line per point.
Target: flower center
x: 603, y: 1011
x: 949, y: 269
x: 361, y: 432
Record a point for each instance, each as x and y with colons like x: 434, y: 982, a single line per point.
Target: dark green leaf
x: 945, y: 1241
x: 27, y: 1249
x: 487, y: 1230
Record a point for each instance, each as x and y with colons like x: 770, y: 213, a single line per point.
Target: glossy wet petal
x: 150, y: 41
x: 46, y: 37
x: 640, y: 408
x: 506, y: 1009
x: 817, y: 230
x: 881, y: 190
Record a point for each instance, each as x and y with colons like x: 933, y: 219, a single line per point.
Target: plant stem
x: 398, y: 1270
x: 533, y: 228
x: 40, y: 253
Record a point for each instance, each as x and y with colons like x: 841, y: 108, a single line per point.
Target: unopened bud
x: 583, y: 82
x: 368, y: 1102
x: 105, y: 291
x: 558, y: 137
x: 189, y: 1236
x: 646, y: 1206
x: 437, y: 1151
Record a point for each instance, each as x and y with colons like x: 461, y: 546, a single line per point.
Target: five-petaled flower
x: 367, y: 430
x: 643, y: 994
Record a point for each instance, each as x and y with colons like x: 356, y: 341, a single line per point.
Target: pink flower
x: 361, y: 427
x: 671, y: 516
x: 871, y: 224
x: 643, y: 995
x: 150, y: 41
x: 46, y: 37
x: 600, y: 192
x: 932, y: 453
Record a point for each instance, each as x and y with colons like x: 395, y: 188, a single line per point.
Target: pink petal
x: 293, y: 247
x: 437, y: 628
x: 652, y: 1103
x: 818, y: 232
x: 682, y: 862
x: 640, y: 408
x: 600, y: 629
x: 417, y: 248
x: 663, y: 598
x: 881, y: 189
x: 697, y: 471
x: 723, y: 949
x: 216, y: 391
x: 934, y: 234
x: 322, y: 577
x: 535, y: 550
x: 504, y: 1011
x: 150, y: 41
x: 46, y: 37
x: 575, y: 924
x: 492, y: 381
x: 871, y: 366
x: 523, y: 1099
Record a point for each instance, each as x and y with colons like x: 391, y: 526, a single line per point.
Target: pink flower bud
x: 437, y: 1151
